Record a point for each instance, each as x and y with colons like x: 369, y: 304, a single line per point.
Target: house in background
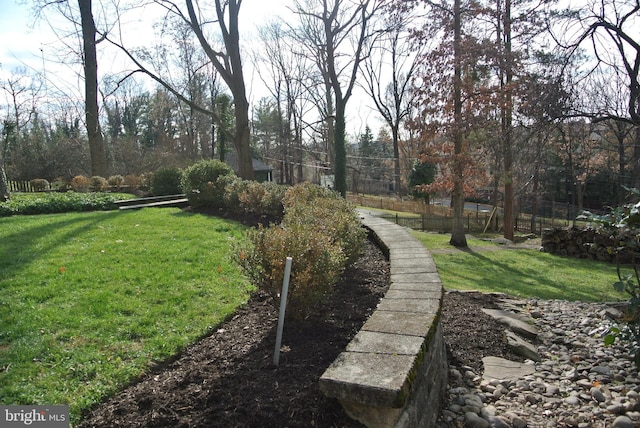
x: 262, y: 171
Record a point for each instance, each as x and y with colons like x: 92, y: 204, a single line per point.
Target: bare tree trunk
x: 230, y: 68
x: 507, y: 120
x: 96, y: 142
x: 636, y: 159
x: 340, y: 169
x: 5, y: 195
x: 536, y: 187
x: 458, y: 238
x: 396, y: 161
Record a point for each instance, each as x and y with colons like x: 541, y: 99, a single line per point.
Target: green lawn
x: 523, y: 273
x: 88, y: 301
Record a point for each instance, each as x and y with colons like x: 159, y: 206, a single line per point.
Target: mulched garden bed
x: 228, y: 378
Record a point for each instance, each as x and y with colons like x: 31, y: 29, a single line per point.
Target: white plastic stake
x: 283, y: 308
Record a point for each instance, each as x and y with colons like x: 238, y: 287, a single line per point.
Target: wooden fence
x: 21, y: 186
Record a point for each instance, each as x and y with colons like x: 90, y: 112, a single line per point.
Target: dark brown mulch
x: 228, y: 378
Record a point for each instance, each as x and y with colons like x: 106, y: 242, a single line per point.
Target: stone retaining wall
x: 589, y: 243
x: 394, y: 371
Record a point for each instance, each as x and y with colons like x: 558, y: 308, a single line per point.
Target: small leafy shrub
x: 166, y: 181
x: 251, y: 199
x: 273, y: 199
x: 39, y: 184
x: 247, y: 196
x: 629, y: 331
x: 80, y: 183
x: 200, y: 183
x: 99, y: 184
x: 335, y: 218
x: 306, y: 192
x: 320, y: 231
x: 317, y: 265
x: 116, y: 182
x: 623, y: 222
x: 234, y: 186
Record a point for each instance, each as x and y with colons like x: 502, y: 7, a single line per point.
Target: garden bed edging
x: 394, y: 371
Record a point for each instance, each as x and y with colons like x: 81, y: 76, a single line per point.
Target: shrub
x: 306, y: 192
x: 246, y: 196
x: 80, y: 183
x: 200, y: 183
x: 317, y: 265
x: 39, y: 184
x: 58, y: 202
x: 99, y: 184
x: 166, y: 181
x: 145, y: 181
x: 273, y: 199
x: 132, y: 181
x: 116, y: 181
x: 335, y: 218
x: 623, y: 223
x: 320, y: 231
x: 233, y: 187
x: 251, y: 198
x: 60, y: 184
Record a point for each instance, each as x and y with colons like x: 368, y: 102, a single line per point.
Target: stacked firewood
x: 591, y: 243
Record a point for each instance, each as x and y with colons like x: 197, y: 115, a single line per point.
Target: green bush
x: 623, y: 225
x: 262, y: 198
x: 273, y: 199
x: 54, y: 202
x: 335, y: 218
x: 39, y: 184
x: 200, y: 183
x: 166, y: 181
x: 317, y: 265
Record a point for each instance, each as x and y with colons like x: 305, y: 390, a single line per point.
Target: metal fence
x: 474, y: 223
x: 478, y: 217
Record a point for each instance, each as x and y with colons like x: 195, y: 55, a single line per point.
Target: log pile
x: 591, y: 243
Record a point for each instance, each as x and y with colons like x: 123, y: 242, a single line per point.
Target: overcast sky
x: 27, y: 43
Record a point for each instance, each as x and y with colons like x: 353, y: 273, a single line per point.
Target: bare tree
x: 227, y: 60
x: 337, y: 30
x: 88, y: 33
x: 392, y: 52
x: 284, y: 72
x: 607, y: 32
x: 90, y: 65
x: 20, y: 94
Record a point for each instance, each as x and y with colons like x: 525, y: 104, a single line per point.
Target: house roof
x: 232, y: 160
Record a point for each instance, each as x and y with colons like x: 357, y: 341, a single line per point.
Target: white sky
x: 27, y: 43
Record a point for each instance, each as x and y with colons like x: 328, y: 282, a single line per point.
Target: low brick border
x: 394, y: 371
